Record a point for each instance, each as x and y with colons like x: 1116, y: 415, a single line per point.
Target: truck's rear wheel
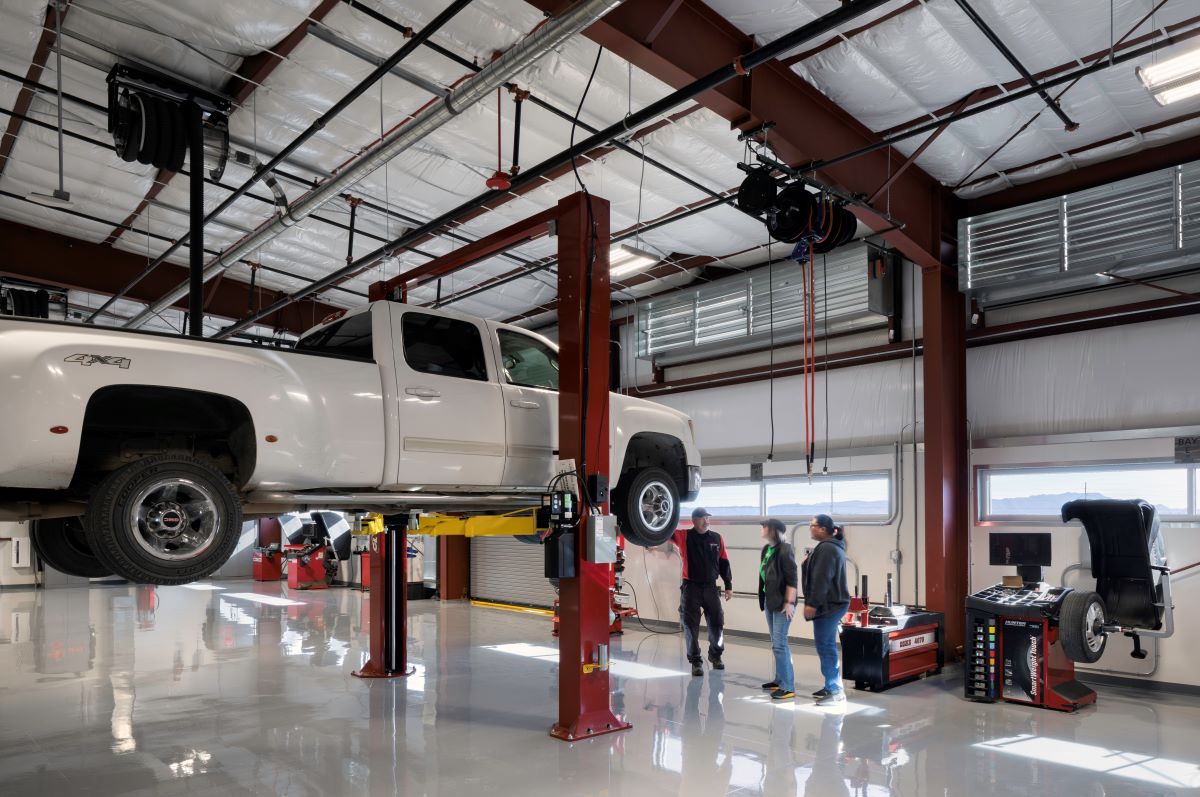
x: 62, y: 544
x: 648, y: 507
x: 164, y: 520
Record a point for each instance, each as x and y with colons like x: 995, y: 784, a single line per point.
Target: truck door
x: 529, y: 380
x: 451, y: 414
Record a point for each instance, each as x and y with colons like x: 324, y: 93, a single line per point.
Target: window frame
x: 857, y: 520
x: 504, y: 371
x: 857, y: 475
x: 982, y: 497
x: 482, y: 348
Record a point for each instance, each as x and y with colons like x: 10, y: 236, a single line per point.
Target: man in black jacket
x: 704, y: 560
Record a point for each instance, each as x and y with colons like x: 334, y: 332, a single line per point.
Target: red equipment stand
x: 308, y: 571
x: 267, y: 564
x: 581, y: 223
x: 889, y: 649
x: 388, y: 606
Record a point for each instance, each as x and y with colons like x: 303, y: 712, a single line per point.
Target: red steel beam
x: 250, y: 75
x: 466, y: 256
x: 946, y: 531
x: 911, y: 159
x: 48, y: 257
x: 41, y: 52
x: 808, y: 126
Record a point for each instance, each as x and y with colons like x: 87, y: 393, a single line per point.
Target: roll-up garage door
x: 507, y: 571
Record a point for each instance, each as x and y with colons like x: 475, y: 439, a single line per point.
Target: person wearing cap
x: 704, y: 561
x: 777, y: 586
x: 826, y: 601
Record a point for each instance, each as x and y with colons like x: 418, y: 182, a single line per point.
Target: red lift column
x: 584, y: 705
x: 388, y: 607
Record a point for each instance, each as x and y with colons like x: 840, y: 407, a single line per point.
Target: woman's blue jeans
x: 777, y: 626
x: 825, y: 634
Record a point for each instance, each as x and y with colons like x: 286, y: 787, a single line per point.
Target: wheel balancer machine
x: 1024, y: 636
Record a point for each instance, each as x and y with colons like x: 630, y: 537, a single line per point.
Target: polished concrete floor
x: 242, y: 688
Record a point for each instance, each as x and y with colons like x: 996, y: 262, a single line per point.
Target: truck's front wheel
x: 648, y: 507
x: 164, y: 520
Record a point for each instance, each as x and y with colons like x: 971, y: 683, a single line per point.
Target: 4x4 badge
x: 99, y: 359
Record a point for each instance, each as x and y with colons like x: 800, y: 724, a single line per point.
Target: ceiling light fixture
x: 624, y: 260
x: 1172, y: 80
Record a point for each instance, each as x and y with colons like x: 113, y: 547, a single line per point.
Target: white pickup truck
x: 140, y: 454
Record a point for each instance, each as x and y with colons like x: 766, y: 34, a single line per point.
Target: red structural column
x: 584, y: 705
x: 388, y: 603
x: 946, y: 511
x: 454, y: 567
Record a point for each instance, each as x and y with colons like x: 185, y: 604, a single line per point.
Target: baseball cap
x: 700, y: 512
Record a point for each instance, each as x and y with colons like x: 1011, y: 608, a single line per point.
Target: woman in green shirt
x: 777, y: 583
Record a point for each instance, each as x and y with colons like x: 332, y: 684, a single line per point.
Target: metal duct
x: 549, y: 36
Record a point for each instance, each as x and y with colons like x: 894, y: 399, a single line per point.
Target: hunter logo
x: 99, y: 359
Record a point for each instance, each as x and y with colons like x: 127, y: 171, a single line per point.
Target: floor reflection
x: 238, y: 688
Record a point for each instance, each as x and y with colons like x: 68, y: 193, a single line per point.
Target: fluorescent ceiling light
x: 1172, y: 80
x: 624, y: 260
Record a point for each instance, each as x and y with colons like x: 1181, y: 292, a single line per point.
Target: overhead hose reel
x: 149, y: 122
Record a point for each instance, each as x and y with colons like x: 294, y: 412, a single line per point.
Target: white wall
x: 10, y: 576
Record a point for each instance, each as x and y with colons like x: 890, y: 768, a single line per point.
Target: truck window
x: 443, y: 346
x: 349, y: 337
x: 527, y: 361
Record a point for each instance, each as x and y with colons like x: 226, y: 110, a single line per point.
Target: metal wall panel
x: 1143, y: 226
x: 507, y: 571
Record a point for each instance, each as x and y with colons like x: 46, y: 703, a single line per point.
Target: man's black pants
x: 693, y: 599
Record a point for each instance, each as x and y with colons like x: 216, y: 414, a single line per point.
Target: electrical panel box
x: 601, y: 539
x: 882, y: 283
x: 21, y: 552
x: 559, y: 553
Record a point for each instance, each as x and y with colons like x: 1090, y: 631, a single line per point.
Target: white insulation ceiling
x: 899, y: 71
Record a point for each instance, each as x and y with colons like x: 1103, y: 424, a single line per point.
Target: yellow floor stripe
x: 510, y: 608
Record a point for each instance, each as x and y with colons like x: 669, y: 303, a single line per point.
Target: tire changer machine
x: 1024, y: 636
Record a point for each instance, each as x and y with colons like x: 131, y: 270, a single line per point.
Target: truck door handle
x: 524, y: 405
x: 423, y: 392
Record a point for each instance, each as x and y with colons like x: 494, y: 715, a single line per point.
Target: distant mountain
x: 848, y: 508
x: 1051, y: 504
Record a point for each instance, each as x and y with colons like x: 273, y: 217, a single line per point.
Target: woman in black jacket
x: 777, y: 585
x: 826, y: 601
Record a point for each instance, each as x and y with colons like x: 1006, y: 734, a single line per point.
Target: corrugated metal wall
x: 507, y: 571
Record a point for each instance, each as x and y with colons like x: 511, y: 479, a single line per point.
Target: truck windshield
x: 349, y: 337
x: 527, y: 361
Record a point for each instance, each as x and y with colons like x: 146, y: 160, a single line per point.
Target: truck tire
x: 167, y: 519
x: 1081, y: 626
x: 62, y: 544
x: 648, y: 508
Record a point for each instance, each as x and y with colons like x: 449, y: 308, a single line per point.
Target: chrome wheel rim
x: 657, y: 506
x: 175, y: 519
x: 1093, y: 627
